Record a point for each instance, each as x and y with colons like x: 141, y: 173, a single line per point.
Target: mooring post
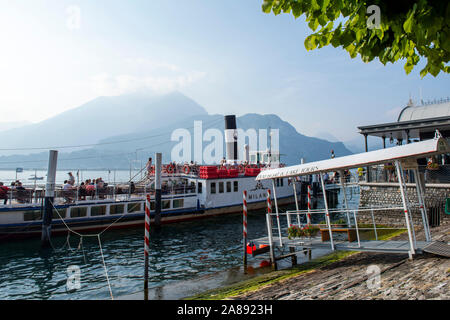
x: 146, y: 245
x: 158, y: 165
x: 244, y: 222
x: 293, y: 256
x: 48, y: 201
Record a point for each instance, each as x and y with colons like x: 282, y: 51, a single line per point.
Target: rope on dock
x: 104, y: 266
x: 80, y: 245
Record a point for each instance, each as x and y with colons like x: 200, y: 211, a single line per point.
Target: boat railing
x: 119, y: 192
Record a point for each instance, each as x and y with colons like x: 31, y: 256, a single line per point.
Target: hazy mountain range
x: 130, y: 128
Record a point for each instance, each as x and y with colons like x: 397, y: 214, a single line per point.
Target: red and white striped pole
x: 309, y: 204
x: 244, y: 218
x: 146, y: 243
x: 269, y: 230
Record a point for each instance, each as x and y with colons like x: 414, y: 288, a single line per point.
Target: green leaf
x: 310, y: 42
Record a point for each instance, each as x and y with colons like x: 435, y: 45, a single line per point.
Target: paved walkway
x: 425, y: 277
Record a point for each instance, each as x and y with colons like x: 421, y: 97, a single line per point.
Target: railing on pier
x: 387, y: 173
x: 347, y: 220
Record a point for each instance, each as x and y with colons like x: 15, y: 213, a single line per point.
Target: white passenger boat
x: 188, y: 192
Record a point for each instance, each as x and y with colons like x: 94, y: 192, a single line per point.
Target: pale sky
x: 228, y: 56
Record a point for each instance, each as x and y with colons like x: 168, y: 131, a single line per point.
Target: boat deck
x: 390, y: 246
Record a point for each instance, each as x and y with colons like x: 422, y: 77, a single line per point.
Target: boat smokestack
x: 231, y: 139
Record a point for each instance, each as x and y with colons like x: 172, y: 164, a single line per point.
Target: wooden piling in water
x: 158, y: 166
x: 48, y: 201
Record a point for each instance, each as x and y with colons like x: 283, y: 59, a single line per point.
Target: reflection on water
x: 178, y: 253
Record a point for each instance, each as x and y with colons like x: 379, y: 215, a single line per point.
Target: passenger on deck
x: 4, y: 193
x: 149, y: 167
x: 90, y: 188
x: 67, y: 191
x: 71, y: 180
x: 20, y: 187
x: 82, y: 193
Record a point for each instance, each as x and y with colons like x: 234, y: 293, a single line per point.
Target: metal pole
x: 423, y: 209
x: 405, y: 206
x: 409, y: 209
x: 244, y: 222
x: 276, y: 211
x: 49, y: 197
x: 296, y: 200
x: 357, y: 231
x: 327, y: 212
x: 146, y: 244
x: 341, y: 174
x: 374, y: 225
x: 158, y: 165
x: 308, y: 216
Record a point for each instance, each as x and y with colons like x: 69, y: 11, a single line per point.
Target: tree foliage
x: 408, y: 29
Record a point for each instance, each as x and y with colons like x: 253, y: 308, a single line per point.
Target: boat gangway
x: 403, y: 157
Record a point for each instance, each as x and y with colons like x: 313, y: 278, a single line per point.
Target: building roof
x: 414, y: 122
x: 437, y: 110
x: 407, y: 152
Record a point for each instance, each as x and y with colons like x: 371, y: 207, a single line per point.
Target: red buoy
x: 264, y: 263
x: 250, y: 248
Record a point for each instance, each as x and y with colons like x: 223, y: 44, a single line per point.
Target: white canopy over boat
x: 407, y: 152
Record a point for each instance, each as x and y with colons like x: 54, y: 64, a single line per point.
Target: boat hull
x: 92, y: 225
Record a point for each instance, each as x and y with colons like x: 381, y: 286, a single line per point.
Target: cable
x: 89, y: 145
x: 95, y: 157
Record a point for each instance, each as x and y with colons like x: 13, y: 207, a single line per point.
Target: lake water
x: 183, y: 256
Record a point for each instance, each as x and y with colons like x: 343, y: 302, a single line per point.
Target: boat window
x: 133, y: 207
x: 236, y: 186
x: 200, y: 187
x: 213, y: 187
x: 98, y: 211
x: 220, y: 187
x: 76, y: 212
x: 228, y: 186
x: 281, y: 181
x: 32, y: 215
x: 62, y: 213
x: 165, y: 204
x: 178, y: 203
x: 117, y: 209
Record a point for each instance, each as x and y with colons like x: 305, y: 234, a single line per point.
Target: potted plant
x: 310, y: 231
x: 294, y: 232
x: 341, y: 223
x: 298, y: 232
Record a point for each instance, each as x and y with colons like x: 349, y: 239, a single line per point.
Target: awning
x: 410, y: 151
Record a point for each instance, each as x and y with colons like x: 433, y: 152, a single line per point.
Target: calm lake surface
x: 182, y: 253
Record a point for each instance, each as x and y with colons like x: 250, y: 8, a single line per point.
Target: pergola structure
x: 415, y: 123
